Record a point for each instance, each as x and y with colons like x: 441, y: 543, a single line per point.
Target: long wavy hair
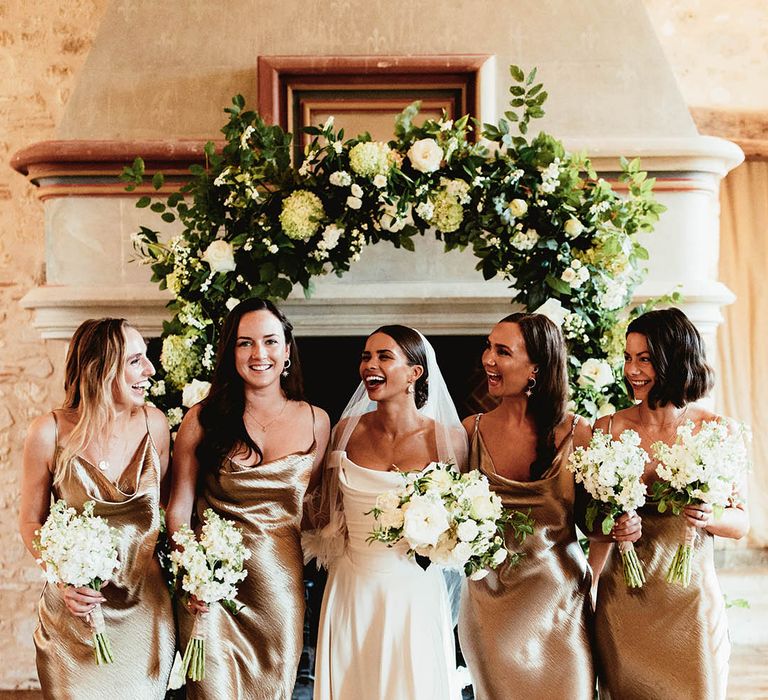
x: 409, y: 341
x: 95, y: 358
x: 545, y: 346
x: 221, y: 412
x: 677, y: 355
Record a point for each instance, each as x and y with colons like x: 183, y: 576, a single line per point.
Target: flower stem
x: 680, y: 569
x: 634, y: 576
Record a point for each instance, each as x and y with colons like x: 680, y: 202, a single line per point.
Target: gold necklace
x: 265, y: 426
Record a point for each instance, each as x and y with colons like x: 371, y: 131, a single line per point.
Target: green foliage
x: 532, y: 213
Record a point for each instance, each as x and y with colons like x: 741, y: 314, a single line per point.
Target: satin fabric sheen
x: 385, y: 625
x: 255, y: 654
x: 138, y: 612
x: 662, y: 640
x: 524, y: 629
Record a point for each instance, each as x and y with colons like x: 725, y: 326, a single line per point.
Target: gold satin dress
x: 138, y: 612
x: 255, y: 654
x: 662, y: 640
x: 524, y: 629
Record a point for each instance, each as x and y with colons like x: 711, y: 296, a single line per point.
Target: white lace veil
x: 324, y: 508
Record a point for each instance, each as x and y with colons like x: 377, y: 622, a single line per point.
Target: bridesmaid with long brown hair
x: 524, y: 628
x: 665, y: 640
x: 247, y: 451
x: 104, y: 444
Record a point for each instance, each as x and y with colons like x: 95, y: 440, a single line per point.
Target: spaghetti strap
x: 312, y: 408
x: 610, y: 425
x: 146, y: 420
x: 477, y: 424
x: 55, y: 432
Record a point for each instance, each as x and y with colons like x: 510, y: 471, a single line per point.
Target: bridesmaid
x: 248, y: 451
x: 663, y: 640
x: 524, y: 629
x: 103, y: 445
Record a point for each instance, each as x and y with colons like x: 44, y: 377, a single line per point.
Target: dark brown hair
x: 545, y: 346
x: 409, y: 341
x: 677, y: 355
x: 221, y: 412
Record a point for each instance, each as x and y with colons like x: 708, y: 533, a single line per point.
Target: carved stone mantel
x: 92, y: 271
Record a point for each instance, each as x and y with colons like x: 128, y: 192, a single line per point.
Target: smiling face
x: 132, y: 381
x: 638, y: 368
x: 506, y: 362
x: 260, y: 348
x: 384, y: 368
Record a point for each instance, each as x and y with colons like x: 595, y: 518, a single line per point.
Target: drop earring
x: 286, y: 367
x: 531, y: 386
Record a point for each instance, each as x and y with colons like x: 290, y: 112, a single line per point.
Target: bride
x: 385, y: 624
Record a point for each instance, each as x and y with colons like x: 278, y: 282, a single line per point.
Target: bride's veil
x: 324, y: 508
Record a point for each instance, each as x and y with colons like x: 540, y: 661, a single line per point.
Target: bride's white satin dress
x: 385, y: 625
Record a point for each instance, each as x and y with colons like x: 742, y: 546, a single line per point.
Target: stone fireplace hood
x: 611, y: 93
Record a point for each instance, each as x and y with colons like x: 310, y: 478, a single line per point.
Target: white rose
x: 499, y: 556
x: 569, y: 275
x: 194, y: 392
x: 380, y: 181
x: 483, y: 507
x: 231, y: 303
x: 553, y: 310
x: 518, y: 207
x: 596, y: 374
x: 354, y: 202
x: 220, y: 256
x: 467, y: 531
x: 356, y: 190
x: 573, y: 227
x: 440, y: 480
x: 425, y: 155
x: 479, y: 574
x: 425, y: 520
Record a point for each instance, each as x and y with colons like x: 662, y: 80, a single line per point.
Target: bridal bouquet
x: 80, y: 550
x: 700, y: 468
x: 612, y: 471
x: 210, y: 569
x: 452, y: 519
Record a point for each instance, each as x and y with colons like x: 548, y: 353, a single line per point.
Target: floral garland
x: 533, y: 213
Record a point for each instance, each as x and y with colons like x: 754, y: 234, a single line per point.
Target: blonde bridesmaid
x: 524, y: 629
x: 248, y: 451
x: 103, y: 445
x: 663, y: 640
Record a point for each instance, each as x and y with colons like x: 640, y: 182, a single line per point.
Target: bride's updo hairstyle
x: 409, y: 341
x: 677, y: 355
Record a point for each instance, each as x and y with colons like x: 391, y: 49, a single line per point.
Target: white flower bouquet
x: 210, y: 570
x: 611, y: 472
x: 698, y: 468
x: 450, y: 519
x: 80, y: 550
